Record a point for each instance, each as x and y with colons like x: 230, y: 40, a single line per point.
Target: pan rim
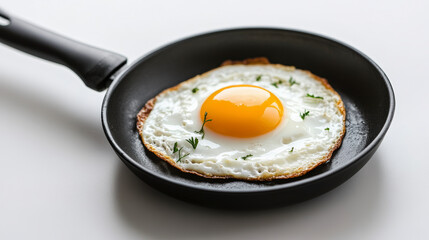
x: 283, y: 186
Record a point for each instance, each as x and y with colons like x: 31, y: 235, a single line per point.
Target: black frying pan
x: 364, y: 88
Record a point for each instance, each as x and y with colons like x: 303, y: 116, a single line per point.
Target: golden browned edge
x: 248, y: 61
x: 145, y: 111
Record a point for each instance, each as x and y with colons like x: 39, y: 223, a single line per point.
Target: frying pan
x: 364, y: 88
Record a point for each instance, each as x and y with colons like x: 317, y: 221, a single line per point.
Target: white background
x: 59, y: 178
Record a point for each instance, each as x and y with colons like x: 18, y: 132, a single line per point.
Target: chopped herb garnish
x: 305, y: 114
x: 179, y: 150
x: 258, y: 78
x: 175, y: 148
x: 327, y: 129
x: 193, y: 141
x: 194, y: 90
x: 180, y: 155
x: 312, y: 96
x: 276, y: 83
x: 202, y: 127
x: 292, y: 149
x: 247, y: 156
x: 292, y: 82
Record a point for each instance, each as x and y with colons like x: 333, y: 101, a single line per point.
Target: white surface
x: 59, y: 178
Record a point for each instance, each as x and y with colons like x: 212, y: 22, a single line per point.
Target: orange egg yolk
x: 242, y: 111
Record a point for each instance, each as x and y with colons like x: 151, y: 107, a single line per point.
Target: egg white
x: 296, y: 146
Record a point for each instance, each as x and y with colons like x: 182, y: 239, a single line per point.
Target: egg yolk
x: 242, y: 111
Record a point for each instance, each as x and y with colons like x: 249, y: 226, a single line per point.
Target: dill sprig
x: 247, y: 156
x: 291, y: 150
x: 276, y: 83
x: 175, y: 149
x: 180, y: 155
x: 292, y: 82
x: 305, y: 114
x: 179, y: 151
x: 202, y: 127
x: 312, y: 96
x: 193, y: 141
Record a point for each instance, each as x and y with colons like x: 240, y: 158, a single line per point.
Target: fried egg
x: 251, y: 122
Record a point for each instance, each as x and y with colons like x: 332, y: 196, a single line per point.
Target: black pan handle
x: 93, y: 65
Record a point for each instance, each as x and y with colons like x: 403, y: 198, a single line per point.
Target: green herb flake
x: 202, y: 127
x: 247, y: 156
x: 258, y: 78
x: 305, y: 114
x: 276, y: 83
x: 291, y: 150
x: 327, y: 129
x: 312, y: 96
x: 292, y: 82
x: 175, y: 148
x: 193, y: 141
x: 194, y: 90
x: 180, y: 155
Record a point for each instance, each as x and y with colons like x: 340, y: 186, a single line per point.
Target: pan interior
x: 362, y: 86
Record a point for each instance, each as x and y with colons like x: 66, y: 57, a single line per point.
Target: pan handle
x: 93, y: 65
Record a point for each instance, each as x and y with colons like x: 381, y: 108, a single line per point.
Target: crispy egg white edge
x: 211, y: 169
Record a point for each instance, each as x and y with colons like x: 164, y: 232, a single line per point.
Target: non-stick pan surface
x: 364, y: 88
